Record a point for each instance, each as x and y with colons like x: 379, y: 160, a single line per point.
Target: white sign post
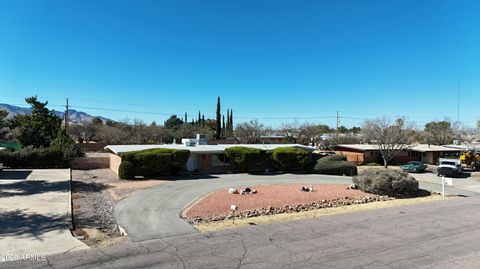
x: 443, y: 186
x: 446, y: 181
x: 233, y: 208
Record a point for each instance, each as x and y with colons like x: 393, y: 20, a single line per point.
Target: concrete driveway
x: 154, y: 213
x: 35, y: 213
x: 469, y: 181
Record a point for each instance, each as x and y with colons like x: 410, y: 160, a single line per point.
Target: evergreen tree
x: 218, y: 120
x: 173, y: 122
x: 38, y: 128
x: 223, y: 126
x: 203, y: 121
x: 231, y: 122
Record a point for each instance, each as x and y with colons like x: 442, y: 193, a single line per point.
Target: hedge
x: 34, y: 158
x: 334, y: 158
x: 247, y: 159
x: 335, y: 168
x: 291, y: 159
x: 153, y: 162
x: 386, y: 182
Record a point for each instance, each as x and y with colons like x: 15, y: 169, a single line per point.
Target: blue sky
x: 271, y: 60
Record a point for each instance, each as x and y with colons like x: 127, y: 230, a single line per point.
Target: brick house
x: 203, y: 158
x: 367, y: 153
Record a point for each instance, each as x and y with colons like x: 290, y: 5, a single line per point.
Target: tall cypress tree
x: 203, y: 121
x: 231, y: 121
x: 186, y: 120
x: 227, y: 127
x: 199, y: 118
x: 223, y: 127
x: 218, y: 119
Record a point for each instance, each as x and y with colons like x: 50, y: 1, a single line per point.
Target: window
x: 413, y: 154
x: 219, y: 160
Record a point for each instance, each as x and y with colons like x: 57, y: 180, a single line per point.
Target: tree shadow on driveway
x: 21, y: 224
x: 14, y: 175
x: 32, y: 187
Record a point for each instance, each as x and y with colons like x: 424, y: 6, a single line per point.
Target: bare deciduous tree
x: 390, y: 137
x: 295, y: 132
x: 250, y: 132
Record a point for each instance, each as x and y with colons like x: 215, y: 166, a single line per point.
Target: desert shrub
x: 334, y: 158
x: 64, y: 143
x: 34, y: 158
x: 155, y: 162
x: 386, y: 182
x: 334, y: 168
x: 126, y: 170
x: 291, y: 159
x: 247, y: 159
x: 372, y: 164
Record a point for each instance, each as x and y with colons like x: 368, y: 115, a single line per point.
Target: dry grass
x: 227, y: 224
x: 362, y: 168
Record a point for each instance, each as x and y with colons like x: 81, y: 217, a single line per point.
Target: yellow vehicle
x: 470, y: 159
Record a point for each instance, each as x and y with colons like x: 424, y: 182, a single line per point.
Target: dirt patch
x: 270, y: 197
x: 94, y: 194
x: 228, y: 224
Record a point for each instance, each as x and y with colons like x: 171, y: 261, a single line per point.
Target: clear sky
x: 272, y: 60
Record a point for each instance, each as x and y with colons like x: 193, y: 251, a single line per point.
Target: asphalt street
x: 442, y: 234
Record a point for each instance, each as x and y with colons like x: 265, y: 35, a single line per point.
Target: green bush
x: 154, y: 162
x: 291, y: 159
x: 386, y: 182
x: 334, y: 158
x: 34, y: 158
x: 247, y: 159
x: 126, y: 170
x: 64, y: 143
x: 372, y: 164
x: 335, y: 168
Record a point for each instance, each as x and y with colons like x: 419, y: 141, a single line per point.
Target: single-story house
x: 274, y: 139
x: 203, y: 158
x: 368, y: 153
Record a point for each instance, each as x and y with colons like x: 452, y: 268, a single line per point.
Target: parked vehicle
x: 414, y: 166
x: 449, y: 167
x: 470, y: 159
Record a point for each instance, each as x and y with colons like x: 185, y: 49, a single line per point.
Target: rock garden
x: 263, y: 200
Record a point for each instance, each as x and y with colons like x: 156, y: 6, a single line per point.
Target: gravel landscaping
x: 94, y: 194
x: 275, y: 199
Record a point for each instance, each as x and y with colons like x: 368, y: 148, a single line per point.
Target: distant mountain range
x: 73, y: 115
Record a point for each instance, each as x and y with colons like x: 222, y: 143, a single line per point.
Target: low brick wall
x: 91, y: 147
x: 92, y: 161
x: 115, y: 162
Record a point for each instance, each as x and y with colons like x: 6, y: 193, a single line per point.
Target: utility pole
x: 458, y: 104
x: 66, y: 117
x: 336, y: 130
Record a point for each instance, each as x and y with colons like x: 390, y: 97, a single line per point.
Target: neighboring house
x: 367, y: 153
x: 203, y: 158
x: 274, y: 139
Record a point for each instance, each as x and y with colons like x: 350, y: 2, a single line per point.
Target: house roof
x: 419, y: 147
x: 464, y: 147
x: 362, y: 147
x: 201, y: 149
x: 430, y: 148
